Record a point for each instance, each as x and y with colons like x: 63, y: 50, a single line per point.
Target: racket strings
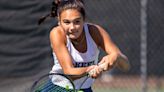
x: 47, y: 86
x: 56, y: 83
x: 43, y: 87
x: 57, y: 89
x: 50, y: 87
x: 60, y: 89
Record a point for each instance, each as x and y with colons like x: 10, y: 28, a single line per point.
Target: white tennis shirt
x: 87, y: 58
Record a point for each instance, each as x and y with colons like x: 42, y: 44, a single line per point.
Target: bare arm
x: 114, y: 55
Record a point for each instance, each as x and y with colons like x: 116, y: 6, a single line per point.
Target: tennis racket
x: 46, y: 83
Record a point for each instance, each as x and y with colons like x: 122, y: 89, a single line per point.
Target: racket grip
x: 102, y: 66
x: 93, y: 71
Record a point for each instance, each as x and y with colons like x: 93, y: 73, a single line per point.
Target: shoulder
x: 56, y: 31
x: 57, y: 35
x: 95, y: 27
x: 94, y: 31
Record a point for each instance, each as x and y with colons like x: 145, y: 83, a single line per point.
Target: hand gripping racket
x: 121, y: 64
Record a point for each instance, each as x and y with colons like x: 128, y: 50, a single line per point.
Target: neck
x: 80, y: 40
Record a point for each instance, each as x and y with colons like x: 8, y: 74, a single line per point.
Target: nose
x: 72, y: 26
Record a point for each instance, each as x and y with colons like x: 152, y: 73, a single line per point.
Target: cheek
x: 65, y: 28
x: 81, y: 28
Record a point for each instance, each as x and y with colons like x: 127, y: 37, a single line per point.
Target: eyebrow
x: 73, y: 19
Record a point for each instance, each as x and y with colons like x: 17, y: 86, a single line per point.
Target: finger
x: 94, y: 72
x: 91, y: 72
x: 93, y: 75
x: 90, y: 68
x: 102, y: 61
x: 101, y: 69
x: 104, y: 66
x: 98, y: 70
x: 112, y: 60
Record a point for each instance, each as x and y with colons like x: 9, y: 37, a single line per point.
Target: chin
x: 71, y: 36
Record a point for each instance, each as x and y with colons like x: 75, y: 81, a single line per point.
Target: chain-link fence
x: 136, y: 26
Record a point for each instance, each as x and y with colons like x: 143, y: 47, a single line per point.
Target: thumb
x: 101, y: 62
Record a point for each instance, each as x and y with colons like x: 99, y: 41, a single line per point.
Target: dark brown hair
x: 58, y: 6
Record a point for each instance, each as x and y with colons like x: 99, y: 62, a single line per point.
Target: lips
x: 73, y: 32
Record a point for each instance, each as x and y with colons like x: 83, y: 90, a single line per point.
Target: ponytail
x: 54, y: 9
x: 53, y: 13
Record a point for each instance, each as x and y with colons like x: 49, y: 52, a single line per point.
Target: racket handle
x: 93, y: 71
x: 102, y: 66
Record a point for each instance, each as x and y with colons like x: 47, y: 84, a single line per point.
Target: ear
x: 58, y: 20
x: 58, y: 23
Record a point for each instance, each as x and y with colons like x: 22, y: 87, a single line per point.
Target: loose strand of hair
x: 52, y: 14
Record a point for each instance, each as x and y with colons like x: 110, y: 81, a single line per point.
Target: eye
x: 77, y: 21
x: 66, y: 22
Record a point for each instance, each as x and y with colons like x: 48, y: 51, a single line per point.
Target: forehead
x: 70, y: 14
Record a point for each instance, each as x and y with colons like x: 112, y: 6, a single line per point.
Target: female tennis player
x: 76, y: 44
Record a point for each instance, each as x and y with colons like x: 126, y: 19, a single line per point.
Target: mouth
x: 73, y: 35
x: 72, y: 32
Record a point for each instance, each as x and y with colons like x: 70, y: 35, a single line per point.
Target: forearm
x: 75, y: 71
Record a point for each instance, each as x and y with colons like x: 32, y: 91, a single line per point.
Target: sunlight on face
x: 72, y: 22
